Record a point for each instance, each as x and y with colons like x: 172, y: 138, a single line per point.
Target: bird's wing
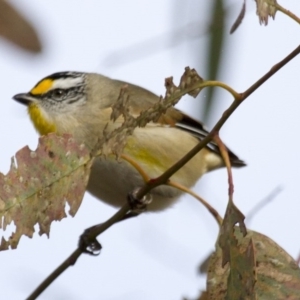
x: 198, y: 130
x: 141, y: 99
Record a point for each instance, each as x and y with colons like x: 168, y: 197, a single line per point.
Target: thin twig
x: 287, y: 12
x: 263, y: 203
x: 141, y: 171
x: 225, y: 156
x: 71, y: 260
x: 214, y: 83
x: 213, y: 211
x: 269, y: 74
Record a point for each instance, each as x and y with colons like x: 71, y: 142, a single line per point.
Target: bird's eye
x: 58, y: 94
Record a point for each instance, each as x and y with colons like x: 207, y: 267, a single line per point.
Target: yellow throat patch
x: 39, y: 120
x: 37, y: 116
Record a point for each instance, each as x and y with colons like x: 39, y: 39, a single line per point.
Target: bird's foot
x: 138, y: 205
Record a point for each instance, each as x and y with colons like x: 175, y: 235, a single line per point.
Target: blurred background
x: 156, y: 256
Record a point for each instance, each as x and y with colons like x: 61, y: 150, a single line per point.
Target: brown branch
x: 71, y: 260
x: 258, y: 207
x: 269, y: 74
x: 213, y: 211
x: 225, y: 156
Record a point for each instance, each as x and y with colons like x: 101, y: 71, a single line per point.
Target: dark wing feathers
x: 199, y: 131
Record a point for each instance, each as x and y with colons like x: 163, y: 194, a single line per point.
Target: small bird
x: 81, y: 104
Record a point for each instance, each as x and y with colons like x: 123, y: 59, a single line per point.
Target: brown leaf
x: 277, y: 273
x: 239, y: 19
x: 242, y: 275
x: 203, y: 296
x: 17, y: 29
x: 39, y: 184
x: 227, y: 238
x: 241, y: 278
x: 189, y: 79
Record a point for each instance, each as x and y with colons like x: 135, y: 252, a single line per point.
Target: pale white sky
x: 156, y: 256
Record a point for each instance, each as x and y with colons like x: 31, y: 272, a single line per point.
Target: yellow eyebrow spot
x: 42, y: 87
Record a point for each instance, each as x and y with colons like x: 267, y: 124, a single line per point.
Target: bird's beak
x: 25, y: 99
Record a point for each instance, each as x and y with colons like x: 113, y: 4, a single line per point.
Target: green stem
x: 213, y: 83
x: 287, y: 12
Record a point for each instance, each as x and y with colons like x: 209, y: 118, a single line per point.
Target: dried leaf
x: 202, y: 296
x: 188, y: 80
x: 203, y: 267
x: 121, y: 107
x: 241, y: 277
x: 239, y: 19
x: 266, y: 9
x: 115, y: 141
x: 277, y: 273
x: 17, y: 29
x: 227, y: 238
x: 39, y: 184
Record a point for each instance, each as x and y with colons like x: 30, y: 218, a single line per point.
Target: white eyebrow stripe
x: 66, y: 83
